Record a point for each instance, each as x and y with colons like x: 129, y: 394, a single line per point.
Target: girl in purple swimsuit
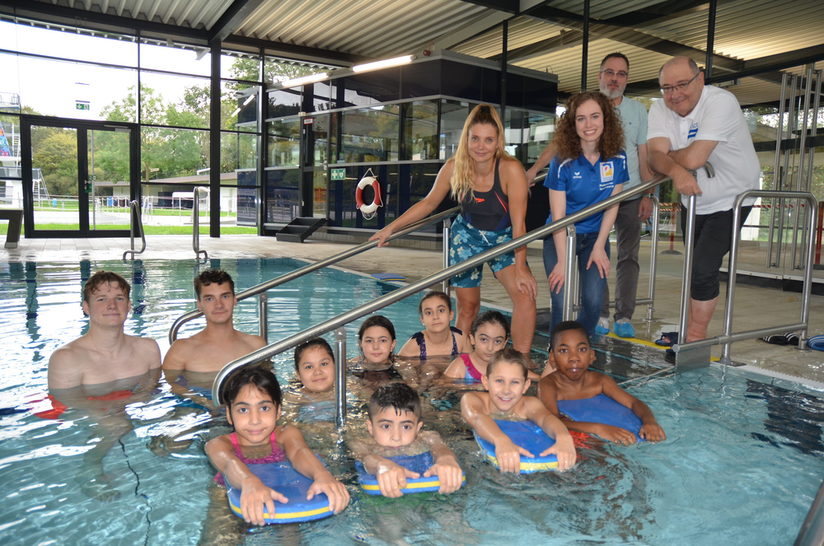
x: 253, y: 400
x: 488, y: 335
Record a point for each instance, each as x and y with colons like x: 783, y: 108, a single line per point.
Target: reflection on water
x: 736, y: 446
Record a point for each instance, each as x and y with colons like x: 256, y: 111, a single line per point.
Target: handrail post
x: 653, y: 256
x: 732, y: 276
x: 263, y: 316
x: 196, y: 223
x: 135, y: 219
x: 447, y: 239
x: 570, y: 291
x: 689, y: 237
x: 340, y: 377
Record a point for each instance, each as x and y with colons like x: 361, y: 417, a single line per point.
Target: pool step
x: 299, y: 229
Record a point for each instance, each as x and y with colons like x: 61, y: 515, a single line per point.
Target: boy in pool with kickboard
x: 487, y: 412
x: 397, y: 456
x: 592, y: 401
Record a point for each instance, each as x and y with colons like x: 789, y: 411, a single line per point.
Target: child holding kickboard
x: 571, y: 355
x: 506, y: 382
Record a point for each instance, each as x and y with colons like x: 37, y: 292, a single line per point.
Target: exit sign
x: 337, y: 174
x: 82, y: 105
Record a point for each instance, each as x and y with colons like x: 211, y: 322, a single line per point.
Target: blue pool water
x: 741, y: 464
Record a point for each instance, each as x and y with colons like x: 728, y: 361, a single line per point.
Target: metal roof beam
x: 231, y: 19
x: 485, y: 22
x: 102, y: 21
x: 312, y: 54
x: 509, y: 6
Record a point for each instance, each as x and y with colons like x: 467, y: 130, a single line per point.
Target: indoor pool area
x: 741, y: 464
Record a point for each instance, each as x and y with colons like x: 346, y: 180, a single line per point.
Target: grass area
x: 150, y: 230
x: 123, y: 210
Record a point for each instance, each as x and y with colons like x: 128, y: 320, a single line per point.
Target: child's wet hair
x: 400, y: 396
x: 494, y: 317
x: 566, y: 326
x: 435, y: 294
x: 510, y: 355
x: 377, y: 320
x: 314, y: 342
x: 263, y: 379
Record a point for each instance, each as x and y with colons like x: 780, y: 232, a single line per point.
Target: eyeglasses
x: 667, y: 89
x: 610, y: 72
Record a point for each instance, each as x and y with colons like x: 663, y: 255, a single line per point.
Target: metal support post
x: 340, y: 377
x: 569, y: 268
x: 263, y: 316
x: 447, y: 238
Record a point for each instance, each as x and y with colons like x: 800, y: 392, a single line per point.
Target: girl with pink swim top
x: 253, y: 398
x: 488, y: 335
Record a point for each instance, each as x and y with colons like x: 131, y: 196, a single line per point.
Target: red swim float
x: 368, y: 210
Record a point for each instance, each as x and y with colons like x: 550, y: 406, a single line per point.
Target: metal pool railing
x: 260, y: 289
x: 274, y: 349
x: 135, y: 221
x: 196, y: 222
x: 696, y: 353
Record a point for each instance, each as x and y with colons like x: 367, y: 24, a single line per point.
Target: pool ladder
x: 196, y: 223
x: 135, y: 225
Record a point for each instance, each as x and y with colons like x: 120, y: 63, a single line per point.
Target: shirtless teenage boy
x: 191, y: 364
x: 102, y: 371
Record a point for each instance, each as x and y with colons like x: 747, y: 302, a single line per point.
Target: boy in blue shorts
x: 394, y: 425
x: 571, y: 355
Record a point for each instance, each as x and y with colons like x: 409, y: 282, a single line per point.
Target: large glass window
x: 284, y: 102
x: 173, y: 153
x: 284, y: 142
x: 421, y: 130
x: 176, y: 58
x: 453, y: 116
x: 237, y: 151
x: 82, y: 45
x: 321, y: 134
x: 370, y: 134
x: 170, y: 99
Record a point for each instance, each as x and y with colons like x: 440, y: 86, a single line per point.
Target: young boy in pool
x: 506, y: 382
x: 438, y: 337
x: 253, y: 400
x: 394, y: 426
x: 571, y: 355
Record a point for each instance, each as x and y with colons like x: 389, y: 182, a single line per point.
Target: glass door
x: 78, y: 177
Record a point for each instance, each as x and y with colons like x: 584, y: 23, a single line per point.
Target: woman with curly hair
x: 590, y: 167
x: 491, y: 188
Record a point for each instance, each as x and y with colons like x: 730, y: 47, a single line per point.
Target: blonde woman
x: 491, y: 188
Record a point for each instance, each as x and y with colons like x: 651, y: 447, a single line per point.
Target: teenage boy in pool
x: 103, y: 370
x: 191, y: 364
x: 571, y: 355
x: 394, y: 425
x: 505, y: 382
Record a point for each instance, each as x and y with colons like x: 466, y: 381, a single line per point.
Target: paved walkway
x: 756, y: 307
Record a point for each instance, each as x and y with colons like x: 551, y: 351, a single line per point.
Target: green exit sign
x: 82, y: 105
x: 337, y: 174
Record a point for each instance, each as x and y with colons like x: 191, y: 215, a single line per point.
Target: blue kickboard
x: 416, y: 463
x: 293, y: 485
x: 529, y: 436
x: 601, y: 409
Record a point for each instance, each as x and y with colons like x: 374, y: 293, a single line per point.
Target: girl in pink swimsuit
x: 488, y: 335
x: 253, y: 397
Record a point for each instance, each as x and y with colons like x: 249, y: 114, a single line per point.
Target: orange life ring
x: 376, y: 200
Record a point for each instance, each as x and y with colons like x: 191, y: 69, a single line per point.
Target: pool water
x: 741, y: 465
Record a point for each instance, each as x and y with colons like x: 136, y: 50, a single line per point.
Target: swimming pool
x: 741, y: 465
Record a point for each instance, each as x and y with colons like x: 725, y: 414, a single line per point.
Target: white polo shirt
x: 717, y: 117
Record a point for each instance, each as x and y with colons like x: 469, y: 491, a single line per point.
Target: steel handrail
x: 728, y: 337
x: 274, y: 349
x: 135, y: 212
x: 196, y: 223
x: 292, y: 275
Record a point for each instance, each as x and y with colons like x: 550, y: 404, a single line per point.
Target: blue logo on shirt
x: 693, y: 131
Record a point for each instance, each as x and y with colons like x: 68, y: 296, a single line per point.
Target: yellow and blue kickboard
x: 528, y: 435
x: 602, y: 409
x: 419, y: 463
x: 293, y: 485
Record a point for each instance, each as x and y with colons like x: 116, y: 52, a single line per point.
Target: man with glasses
x: 612, y: 81
x: 693, y: 126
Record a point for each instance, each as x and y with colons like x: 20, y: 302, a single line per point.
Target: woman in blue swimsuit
x: 491, y: 188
